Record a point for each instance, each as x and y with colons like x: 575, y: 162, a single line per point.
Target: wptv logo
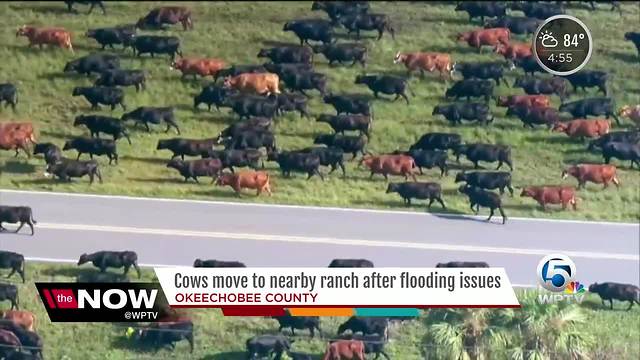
x: 555, y: 274
x: 103, y: 302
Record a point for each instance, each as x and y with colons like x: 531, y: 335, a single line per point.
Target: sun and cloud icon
x: 548, y: 40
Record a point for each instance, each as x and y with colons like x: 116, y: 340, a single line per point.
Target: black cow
x: 485, y: 152
x: 428, y: 159
x: 100, y: 277
x: 195, y: 168
x: 534, y: 86
x: 329, y: 156
x: 305, y: 80
x: 487, y: 180
x: 342, y: 123
x: 615, y: 291
x: 351, y: 263
x: 417, y: 190
x: 310, y: 29
x: 250, y: 105
x: 254, y: 123
x: 29, y: 339
x: 251, y: 140
x: 181, y: 147
x: 631, y: 137
x: 213, y: 95
x: 622, y: 151
x: 349, y: 104
x: 591, y: 106
x: 373, y: 344
x: 351, y: 52
x: 154, y: 115
x: 481, y: 70
x: 238, y: 158
x: 479, y: 197
x: 459, y: 111
x: 91, y: 3
x: 366, y: 326
x: 283, y: 69
x: 515, y: 24
x: 366, y: 21
x: 105, y: 95
x: 16, y: 214
x: 336, y: 9
x: 289, y: 161
x: 437, y: 141
x: 482, y: 9
x: 634, y: 37
x: 299, y: 322
x: 535, y: 116
x: 537, y: 10
x: 236, y: 70
x: 13, y: 261
x: 93, y: 146
x: 161, y: 334
x: 93, y: 63
x: 471, y: 88
x: 261, y: 346
x: 348, y: 144
x: 154, y: 44
x: 112, y: 259
x: 589, y: 78
x: 67, y: 169
x: 463, y: 264
x: 110, y: 36
x: 529, y: 65
x: 9, y: 292
x: 293, y: 102
x: 105, y: 124
x: 217, y: 264
x: 9, y: 94
x: 117, y: 77
x: 391, y: 85
x: 288, y: 54
x: 52, y: 153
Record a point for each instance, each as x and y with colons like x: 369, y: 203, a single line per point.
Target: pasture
x: 223, y: 338
x: 235, y: 33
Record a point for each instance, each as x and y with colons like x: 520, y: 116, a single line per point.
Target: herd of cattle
x: 368, y: 335
x: 253, y: 93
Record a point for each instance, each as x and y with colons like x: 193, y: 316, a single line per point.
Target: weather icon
x: 548, y: 40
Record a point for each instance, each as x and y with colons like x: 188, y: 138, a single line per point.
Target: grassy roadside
x: 45, y: 98
x: 222, y: 338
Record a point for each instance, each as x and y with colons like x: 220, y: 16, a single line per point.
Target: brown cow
x: 167, y: 15
x: 514, y: 51
x: 424, y: 61
x: 390, y: 165
x: 19, y: 126
x: 595, y: 173
x: 23, y: 318
x: 203, y: 67
x: 551, y: 195
x: 632, y: 112
x: 260, y: 83
x: 481, y: 37
x: 50, y: 36
x: 258, y: 180
x: 581, y: 128
x: 344, y: 350
x: 527, y: 100
x: 16, y: 136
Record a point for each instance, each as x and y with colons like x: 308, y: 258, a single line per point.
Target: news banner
x: 272, y: 291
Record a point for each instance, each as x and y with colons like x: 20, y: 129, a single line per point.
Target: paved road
x: 170, y: 232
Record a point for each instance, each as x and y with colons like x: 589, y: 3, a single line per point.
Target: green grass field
x: 236, y: 32
x: 223, y: 338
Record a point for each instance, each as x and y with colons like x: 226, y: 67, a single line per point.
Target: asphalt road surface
x: 175, y: 232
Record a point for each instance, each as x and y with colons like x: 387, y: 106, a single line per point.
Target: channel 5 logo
x: 556, y: 272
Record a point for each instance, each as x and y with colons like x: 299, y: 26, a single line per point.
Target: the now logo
x: 133, y: 297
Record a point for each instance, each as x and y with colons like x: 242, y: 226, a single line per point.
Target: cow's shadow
x: 278, y: 43
x: 48, y: 9
x: 68, y: 271
x: 227, y: 355
x: 149, y: 160
x: 631, y: 57
x: 16, y: 167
